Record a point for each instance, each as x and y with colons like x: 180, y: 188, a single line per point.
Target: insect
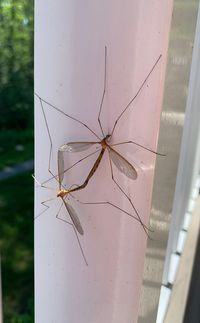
x: 122, y: 164
x: 64, y: 193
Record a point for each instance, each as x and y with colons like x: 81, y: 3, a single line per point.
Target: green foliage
x: 16, y: 64
x: 15, y: 147
x: 16, y: 244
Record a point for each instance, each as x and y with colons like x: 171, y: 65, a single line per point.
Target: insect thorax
x: 62, y: 193
x: 104, y: 141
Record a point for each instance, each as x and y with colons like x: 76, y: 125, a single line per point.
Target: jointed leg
x: 124, y: 193
x: 66, y: 170
x: 135, y: 143
x: 135, y: 96
x: 46, y: 207
x: 50, y: 139
x: 104, y: 91
x: 111, y: 204
x: 51, y: 147
x: 68, y: 116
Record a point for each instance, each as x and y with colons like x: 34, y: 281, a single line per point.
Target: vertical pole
x: 70, y: 38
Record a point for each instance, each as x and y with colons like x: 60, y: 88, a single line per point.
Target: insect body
x: 64, y: 193
x: 123, y: 165
x: 119, y: 161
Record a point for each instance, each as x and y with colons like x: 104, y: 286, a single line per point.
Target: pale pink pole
x: 70, y: 40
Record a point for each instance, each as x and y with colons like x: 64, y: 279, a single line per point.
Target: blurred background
x: 16, y: 161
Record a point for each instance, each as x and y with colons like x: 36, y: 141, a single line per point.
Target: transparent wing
x: 74, y: 147
x: 122, y: 164
x: 74, y: 217
x: 60, y: 166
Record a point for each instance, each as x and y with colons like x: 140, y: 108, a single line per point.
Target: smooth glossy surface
x: 69, y: 67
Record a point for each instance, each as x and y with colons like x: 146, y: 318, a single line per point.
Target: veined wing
x: 122, y: 164
x: 74, y: 217
x: 60, y: 167
x: 74, y: 147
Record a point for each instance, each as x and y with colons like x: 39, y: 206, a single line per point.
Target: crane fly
x: 122, y: 164
x: 64, y: 193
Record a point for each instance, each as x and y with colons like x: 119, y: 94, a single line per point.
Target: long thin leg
x: 46, y: 207
x: 111, y: 204
x: 51, y: 145
x: 104, y: 91
x: 48, y: 131
x: 57, y: 216
x: 91, y: 173
x: 79, y: 243
x: 53, y: 176
x: 44, y: 202
x: 135, y: 143
x: 42, y: 184
x: 67, y: 115
x: 124, y: 193
x: 135, y: 96
x: 49, y: 170
x: 66, y: 170
x: 50, y: 139
x: 75, y: 119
